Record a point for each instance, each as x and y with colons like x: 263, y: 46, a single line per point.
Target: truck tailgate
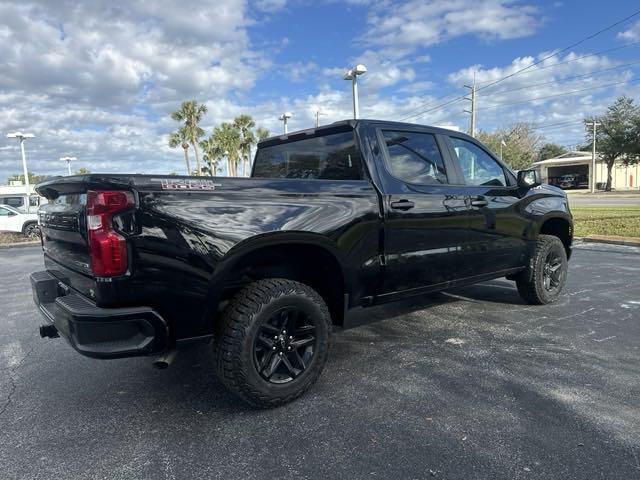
x: 64, y: 240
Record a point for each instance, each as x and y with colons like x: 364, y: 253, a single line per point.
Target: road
x: 604, y: 200
x: 470, y: 384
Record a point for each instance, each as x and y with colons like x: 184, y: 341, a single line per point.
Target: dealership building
x: 573, y: 170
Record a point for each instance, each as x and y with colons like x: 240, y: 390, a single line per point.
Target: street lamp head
x: 20, y: 135
x: 285, y: 116
x: 360, y: 69
x: 68, y: 159
x: 355, y: 71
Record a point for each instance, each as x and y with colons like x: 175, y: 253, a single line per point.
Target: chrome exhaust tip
x: 165, y: 360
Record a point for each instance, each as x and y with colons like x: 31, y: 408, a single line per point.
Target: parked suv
x: 352, y: 214
x: 17, y: 221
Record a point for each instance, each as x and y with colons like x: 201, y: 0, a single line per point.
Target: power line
x: 498, y: 105
x: 595, y: 72
x: 426, y: 103
x: 436, y: 107
x: 569, y: 47
x: 535, y: 64
x: 462, y: 97
x: 553, y: 126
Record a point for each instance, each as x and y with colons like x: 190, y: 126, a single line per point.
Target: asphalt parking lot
x: 468, y: 384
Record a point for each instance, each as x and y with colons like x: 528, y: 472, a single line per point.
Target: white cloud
x: 400, y: 28
x: 632, y: 34
x: 97, y: 81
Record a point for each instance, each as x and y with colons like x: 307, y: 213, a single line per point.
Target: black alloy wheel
x: 272, y: 341
x: 552, y: 271
x: 544, y: 281
x: 285, y: 345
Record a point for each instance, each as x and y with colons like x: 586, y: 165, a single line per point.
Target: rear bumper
x: 98, y: 332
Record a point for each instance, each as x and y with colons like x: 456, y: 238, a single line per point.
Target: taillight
x: 107, y: 248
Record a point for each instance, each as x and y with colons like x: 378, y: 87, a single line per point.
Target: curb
x: 18, y: 244
x: 628, y: 241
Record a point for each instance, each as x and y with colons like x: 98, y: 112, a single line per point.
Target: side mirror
x: 529, y: 178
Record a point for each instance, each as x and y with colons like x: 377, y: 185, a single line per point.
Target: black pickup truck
x: 347, y: 215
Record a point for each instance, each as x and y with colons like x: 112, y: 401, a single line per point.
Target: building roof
x: 15, y: 189
x: 568, y: 158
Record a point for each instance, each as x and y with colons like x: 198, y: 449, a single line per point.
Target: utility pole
x: 594, y: 124
x: 472, y: 99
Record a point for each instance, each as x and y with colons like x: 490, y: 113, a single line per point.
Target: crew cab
x: 17, y: 221
x: 343, y: 216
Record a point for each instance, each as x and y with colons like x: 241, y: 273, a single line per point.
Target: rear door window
x: 328, y: 157
x: 414, y: 157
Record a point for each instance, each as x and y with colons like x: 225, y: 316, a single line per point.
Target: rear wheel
x: 273, y: 343
x: 548, y: 275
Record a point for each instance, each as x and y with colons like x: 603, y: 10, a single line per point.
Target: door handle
x: 402, y: 205
x: 479, y: 202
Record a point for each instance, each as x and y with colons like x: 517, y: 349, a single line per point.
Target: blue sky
x: 97, y: 80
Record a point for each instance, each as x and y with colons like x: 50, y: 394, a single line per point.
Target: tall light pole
x: 318, y: 113
x: 23, y: 137
x: 353, y: 75
x: 68, y: 160
x: 284, y: 117
x: 594, y: 124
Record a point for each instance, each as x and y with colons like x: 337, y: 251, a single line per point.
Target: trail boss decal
x: 186, y: 184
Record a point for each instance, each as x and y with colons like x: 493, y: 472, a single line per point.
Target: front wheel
x: 31, y: 230
x: 273, y: 342
x: 548, y: 275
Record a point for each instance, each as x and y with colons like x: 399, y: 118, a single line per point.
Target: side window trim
x: 454, y: 156
x: 387, y: 159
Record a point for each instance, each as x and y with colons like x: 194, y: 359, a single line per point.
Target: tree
x: 33, y: 178
x: 180, y: 138
x: 616, y: 136
x: 82, y: 171
x: 550, y: 150
x: 262, y: 133
x: 244, y: 124
x: 191, y: 114
x: 521, y: 144
x: 212, y: 153
x: 227, y: 139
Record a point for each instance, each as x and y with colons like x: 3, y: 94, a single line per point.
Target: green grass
x: 621, y: 221
x: 9, y: 237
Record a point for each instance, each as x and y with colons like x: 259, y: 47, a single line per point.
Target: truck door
x: 425, y: 215
x: 497, y: 226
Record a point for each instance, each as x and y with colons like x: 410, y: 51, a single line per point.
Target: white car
x: 14, y: 220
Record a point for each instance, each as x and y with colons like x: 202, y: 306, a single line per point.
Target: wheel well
x: 308, y: 264
x: 27, y: 223
x: 561, y: 228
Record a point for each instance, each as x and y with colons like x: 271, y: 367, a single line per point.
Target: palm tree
x: 212, y: 152
x: 191, y: 114
x: 262, y: 133
x: 180, y: 138
x: 227, y: 139
x: 244, y: 124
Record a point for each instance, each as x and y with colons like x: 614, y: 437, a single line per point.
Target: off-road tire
x: 241, y: 322
x: 531, y: 284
